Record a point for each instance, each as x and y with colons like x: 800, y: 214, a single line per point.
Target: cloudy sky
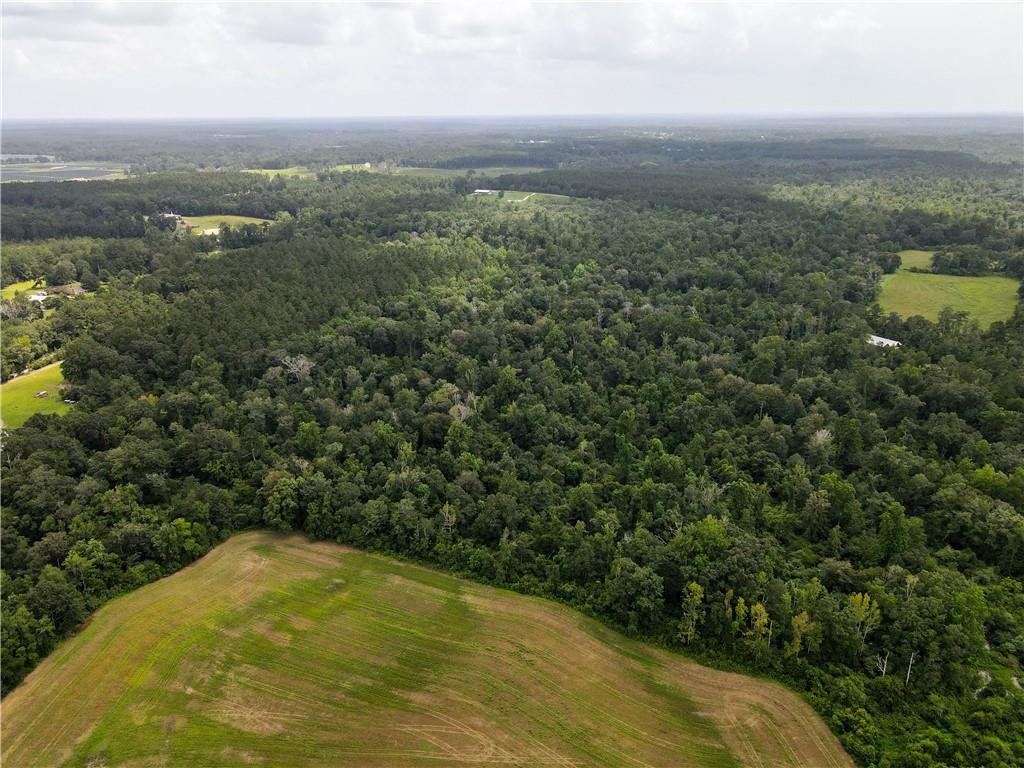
x: 106, y: 59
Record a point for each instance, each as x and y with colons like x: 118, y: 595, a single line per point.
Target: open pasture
x: 212, y: 223
x: 25, y: 286
x: 66, y: 171
x: 275, y: 650
x: 294, y: 172
x: 916, y: 259
x: 988, y: 298
x: 18, y: 401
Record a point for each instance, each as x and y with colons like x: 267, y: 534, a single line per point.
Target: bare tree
x: 910, y: 666
x: 882, y: 664
x: 298, y: 366
x: 447, y: 518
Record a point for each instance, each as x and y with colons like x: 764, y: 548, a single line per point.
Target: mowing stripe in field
x: 276, y: 650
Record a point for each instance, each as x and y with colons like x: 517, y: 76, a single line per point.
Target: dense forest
x: 647, y: 394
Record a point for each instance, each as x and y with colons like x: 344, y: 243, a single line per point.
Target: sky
x: 102, y: 60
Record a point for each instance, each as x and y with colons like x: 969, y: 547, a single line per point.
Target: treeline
x: 974, y: 222
x: 972, y: 260
x: 109, y: 209
x: 657, y: 407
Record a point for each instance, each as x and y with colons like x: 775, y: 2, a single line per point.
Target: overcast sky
x: 104, y: 60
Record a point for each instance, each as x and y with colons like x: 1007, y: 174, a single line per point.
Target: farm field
x: 67, y: 171
x: 294, y: 171
x: 988, y: 298
x: 18, y: 402
x: 211, y: 223
x: 275, y: 650
x: 916, y: 259
x: 347, y: 167
x: 12, y: 290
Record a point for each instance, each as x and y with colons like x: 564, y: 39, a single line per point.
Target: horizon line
x: 528, y: 115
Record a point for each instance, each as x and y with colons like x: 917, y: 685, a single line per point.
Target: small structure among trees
x: 881, y: 341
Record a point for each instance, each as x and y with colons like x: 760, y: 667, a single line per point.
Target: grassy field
x: 17, y: 396
x: 275, y: 650
x: 916, y: 259
x: 987, y: 299
x: 10, y: 291
x: 353, y: 167
x: 211, y: 223
x: 66, y: 171
x: 294, y: 171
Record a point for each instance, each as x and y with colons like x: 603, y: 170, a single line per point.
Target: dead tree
x: 882, y: 664
x: 910, y: 666
x: 298, y: 366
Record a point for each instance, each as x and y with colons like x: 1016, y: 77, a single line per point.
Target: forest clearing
x: 987, y: 298
x: 19, y: 400
x: 211, y: 224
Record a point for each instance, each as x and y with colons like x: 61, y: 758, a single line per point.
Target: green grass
x: 18, y: 402
x: 916, y: 259
x: 12, y: 290
x: 62, y: 171
x: 294, y: 171
x: 987, y: 299
x: 275, y: 650
x: 200, y: 224
x: 353, y: 167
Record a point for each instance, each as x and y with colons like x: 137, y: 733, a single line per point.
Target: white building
x: 881, y: 341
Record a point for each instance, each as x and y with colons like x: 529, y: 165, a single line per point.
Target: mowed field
x: 66, y: 171
x: 25, y: 286
x: 278, y: 651
x: 18, y: 402
x: 988, y: 298
x: 293, y: 171
x: 200, y: 224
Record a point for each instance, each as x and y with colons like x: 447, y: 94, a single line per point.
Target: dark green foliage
x: 656, y: 404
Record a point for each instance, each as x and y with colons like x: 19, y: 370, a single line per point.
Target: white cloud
x: 322, y: 59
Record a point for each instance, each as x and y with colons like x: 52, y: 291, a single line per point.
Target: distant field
x: 61, y: 171
x: 274, y: 650
x: 200, y: 224
x: 353, y: 167
x: 987, y: 299
x: 12, y: 290
x: 18, y: 401
x: 294, y: 171
x: 916, y: 259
